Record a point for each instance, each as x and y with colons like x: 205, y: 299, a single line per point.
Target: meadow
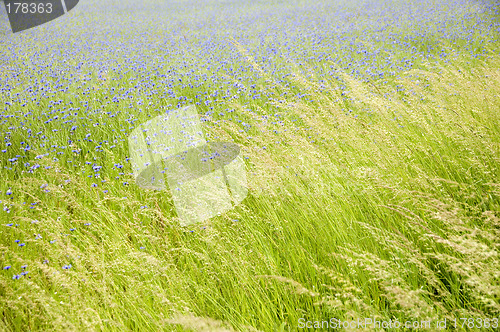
x: 371, y: 136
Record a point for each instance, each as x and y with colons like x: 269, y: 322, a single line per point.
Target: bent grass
x: 384, y: 204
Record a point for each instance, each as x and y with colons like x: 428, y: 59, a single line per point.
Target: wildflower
x: 16, y: 276
x: 7, y: 267
x: 67, y: 267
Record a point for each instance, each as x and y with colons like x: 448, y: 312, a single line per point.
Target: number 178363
x: 29, y: 8
x: 475, y: 323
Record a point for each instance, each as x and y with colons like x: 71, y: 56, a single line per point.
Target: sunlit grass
x: 385, y: 205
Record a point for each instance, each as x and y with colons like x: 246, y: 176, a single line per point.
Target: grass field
x: 372, y: 162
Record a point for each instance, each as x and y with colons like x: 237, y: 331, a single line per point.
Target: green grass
x: 375, y: 218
